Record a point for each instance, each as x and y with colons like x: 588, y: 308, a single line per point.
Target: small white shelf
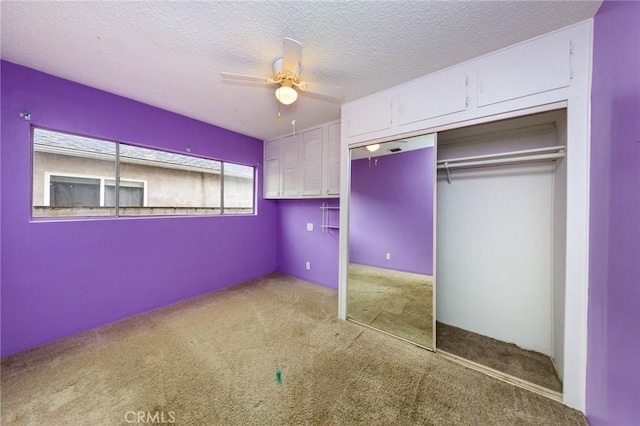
x: 326, y: 226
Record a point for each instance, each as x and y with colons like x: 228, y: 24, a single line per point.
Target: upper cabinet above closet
x: 304, y: 165
x: 373, y: 115
x: 524, y: 70
x: 540, y: 71
x: 433, y: 96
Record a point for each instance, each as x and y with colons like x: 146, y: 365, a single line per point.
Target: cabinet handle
x: 481, y: 86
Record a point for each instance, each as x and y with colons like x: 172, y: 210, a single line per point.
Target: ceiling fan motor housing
x: 280, y: 75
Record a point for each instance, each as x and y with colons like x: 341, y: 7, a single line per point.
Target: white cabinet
x: 304, y: 165
x: 532, y: 73
x: 333, y: 159
x: 372, y: 115
x: 525, y: 69
x: 433, y: 96
x: 290, y: 155
x: 405, y: 107
x: 272, y: 168
x: 311, y: 164
x: 281, y: 167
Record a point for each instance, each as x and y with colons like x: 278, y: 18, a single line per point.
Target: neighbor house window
x: 70, y: 191
x: 78, y: 176
x: 132, y: 194
x: 90, y: 191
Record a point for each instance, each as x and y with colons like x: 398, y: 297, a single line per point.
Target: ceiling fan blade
x: 243, y: 77
x: 328, y: 91
x: 291, y: 55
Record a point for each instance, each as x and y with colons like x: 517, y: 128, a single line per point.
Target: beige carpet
x: 268, y: 352
x: 397, y: 302
x: 508, y: 358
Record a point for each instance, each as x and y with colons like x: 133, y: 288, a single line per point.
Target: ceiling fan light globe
x: 286, y: 95
x: 373, y: 148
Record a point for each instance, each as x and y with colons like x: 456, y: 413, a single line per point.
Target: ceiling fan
x: 286, y: 75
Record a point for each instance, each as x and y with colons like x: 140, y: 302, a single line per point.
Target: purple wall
x: 296, y: 245
x: 61, y: 278
x: 613, y: 354
x: 391, y: 211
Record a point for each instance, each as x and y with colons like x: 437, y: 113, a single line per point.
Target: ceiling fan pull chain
x: 279, y: 116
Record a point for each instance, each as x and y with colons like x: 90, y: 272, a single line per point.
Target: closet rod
x: 500, y: 161
x: 505, y: 154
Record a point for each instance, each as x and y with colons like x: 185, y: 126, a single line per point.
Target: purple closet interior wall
x: 613, y: 354
x: 391, y: 211
x: 296, y: 245
x: 64, y: 277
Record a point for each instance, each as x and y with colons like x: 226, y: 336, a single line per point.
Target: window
x: 238, y: 189
x: 68, y: 172
x: 78, y: 176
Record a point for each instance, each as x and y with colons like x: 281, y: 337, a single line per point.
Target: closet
x: 512, y: 190
x: 500, y: 251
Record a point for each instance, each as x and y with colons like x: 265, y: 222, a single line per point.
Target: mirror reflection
x: 390, y: 282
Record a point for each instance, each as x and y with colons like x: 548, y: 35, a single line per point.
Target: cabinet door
x: 535, y: 67
x: 369, y: 116
x: 311, y: 166
x: 333, y: 159
x: 290, y: 165
x: 272, y: 168
x: 433, y: 96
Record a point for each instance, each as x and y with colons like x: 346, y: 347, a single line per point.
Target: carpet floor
x: 266, y: 352
x: 397, y: 302
x: 508, y: 358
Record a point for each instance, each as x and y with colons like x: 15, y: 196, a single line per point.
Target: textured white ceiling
x: 170, y: 54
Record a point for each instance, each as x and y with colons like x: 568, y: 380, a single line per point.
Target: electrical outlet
x: 388, y: 256
x: 308, y: 266
x: 310, y: 226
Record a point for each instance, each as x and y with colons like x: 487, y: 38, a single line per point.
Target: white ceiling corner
x: 170, y: 54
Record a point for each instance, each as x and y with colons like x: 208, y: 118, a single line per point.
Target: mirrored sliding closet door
x: 391, y: 238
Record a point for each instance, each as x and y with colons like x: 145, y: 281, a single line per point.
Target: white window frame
x: 47, y: 184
